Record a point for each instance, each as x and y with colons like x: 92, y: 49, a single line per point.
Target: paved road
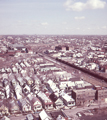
x: 72, y: 112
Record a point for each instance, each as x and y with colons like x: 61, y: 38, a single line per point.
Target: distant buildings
x: 63, y: 48
x: 32, y: 81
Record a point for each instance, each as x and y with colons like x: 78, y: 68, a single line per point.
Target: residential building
x: 13, y: 105
x: 68, y: 100
x: 25, y: 105
x: 57, y: 102
x: 46, y: 102
x: 36, y: 105
x: 44, y: 116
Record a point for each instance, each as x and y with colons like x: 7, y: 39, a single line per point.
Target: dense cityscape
x: 48, y: 77
x: 53, y: 59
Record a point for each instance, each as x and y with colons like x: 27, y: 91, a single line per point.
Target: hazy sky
x: 53, y: 17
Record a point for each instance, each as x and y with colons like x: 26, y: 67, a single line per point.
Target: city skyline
x: 53, y: 17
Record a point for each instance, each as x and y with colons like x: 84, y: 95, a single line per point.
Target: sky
x: 71, y: 17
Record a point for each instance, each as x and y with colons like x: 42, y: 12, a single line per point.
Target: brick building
x: 84, y: 96
x: 101, y: 95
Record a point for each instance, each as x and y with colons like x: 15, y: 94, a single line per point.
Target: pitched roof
x: 53, y: 97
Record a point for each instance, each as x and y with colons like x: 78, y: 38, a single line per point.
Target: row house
x: 35, y: 89
x: 13, y: 105
x: 26, y: 89
x: 3, y: 107
x: 44, y: 116
x: 2, y: 70
x: 7, y: 90
x: 21, y: 81
x: 46, y: 102
x: 5, y: 82
x: 84, y: 96
x: 68, y: 100
x: 8, y: 70
x: 18, y: 91
x: 17, y: 65
x: 6, y: 87
x: 57, y: 102
x: 14, y: 70
x: 36, y: 80
x: 2, y: 93
x: 25, y: 105
x: 66, y: 84
x: 36, y: 105
x: 22, y: 65
x: 29, y: 80
x: 13, y: 82
x: 52, y: 86
x: 26, y: 63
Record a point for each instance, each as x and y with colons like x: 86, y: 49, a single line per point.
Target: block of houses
x: 57, y: 102
x: 84, y: 96
x: 46, y: 102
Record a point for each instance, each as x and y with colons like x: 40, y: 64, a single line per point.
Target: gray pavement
x: 72, y: 112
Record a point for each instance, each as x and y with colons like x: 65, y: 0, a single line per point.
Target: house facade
x: 57, y: 102
x: 46, y: 102
x: 68, y: 100
x: 84, y: 96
